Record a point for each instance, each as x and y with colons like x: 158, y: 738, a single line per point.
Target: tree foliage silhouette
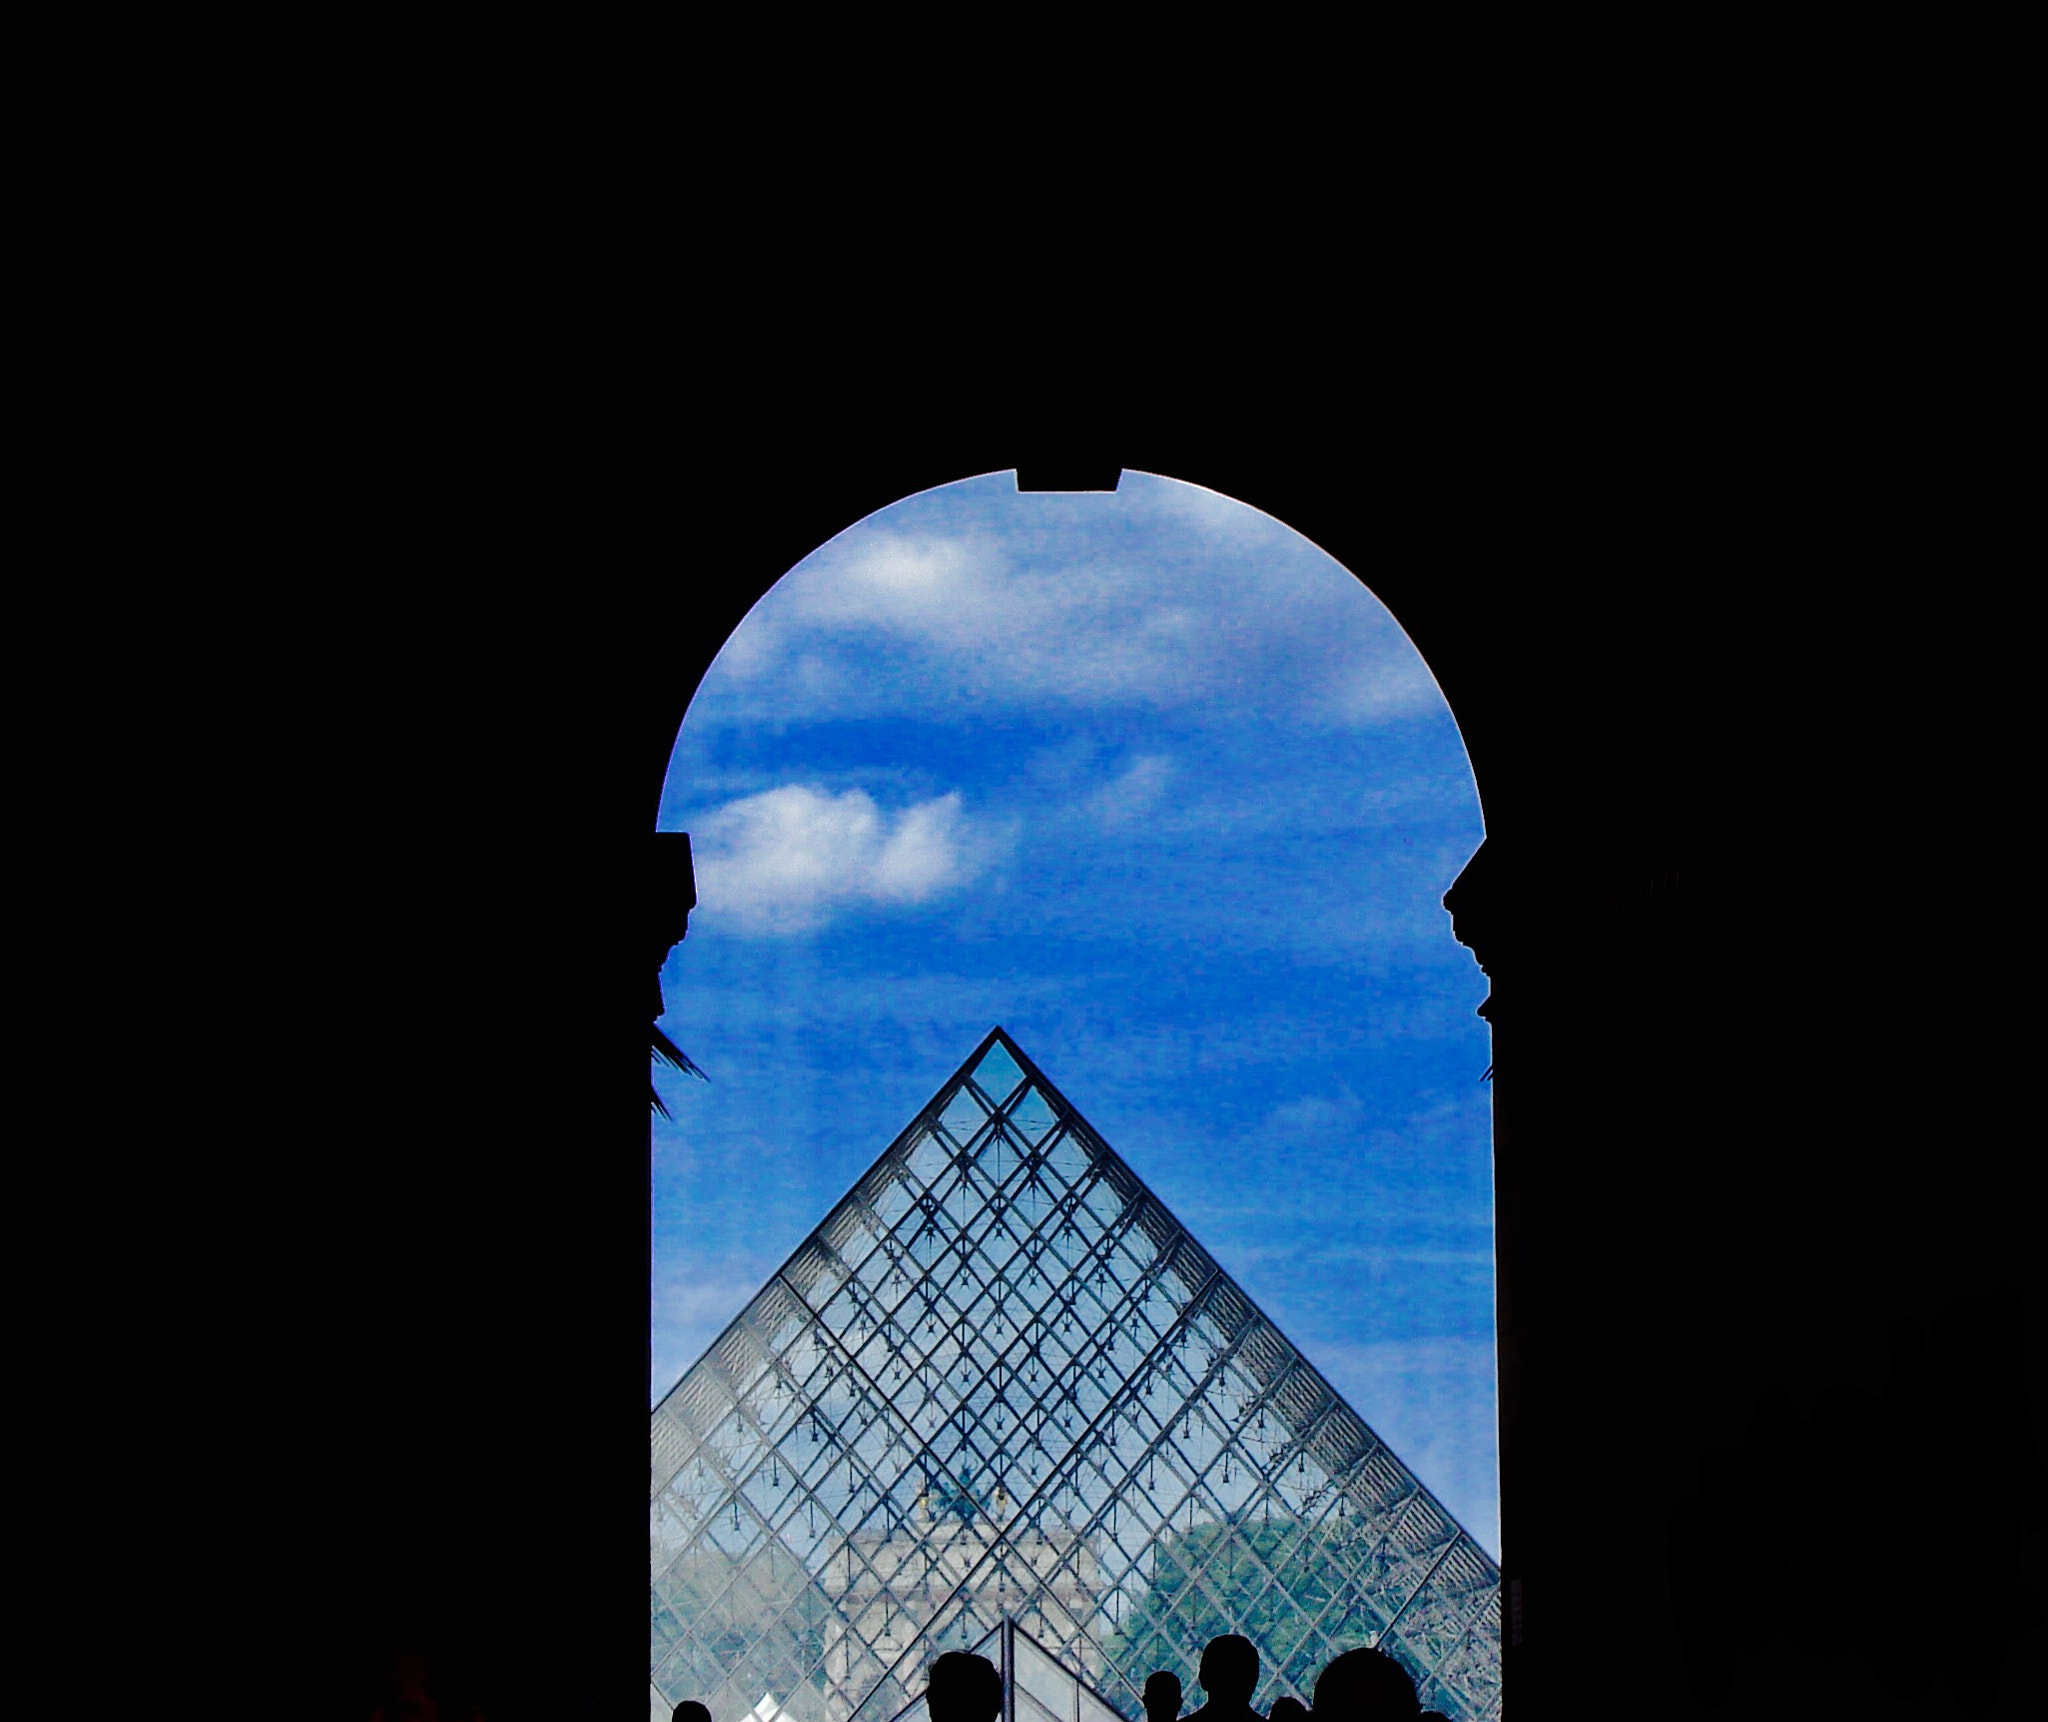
x: 667, y: 1052
x: 1289, y: 1587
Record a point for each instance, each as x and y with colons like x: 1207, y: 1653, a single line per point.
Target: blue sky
x: 1155, y: 784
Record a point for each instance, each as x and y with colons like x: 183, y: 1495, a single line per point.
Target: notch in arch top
x: 1068, y: 473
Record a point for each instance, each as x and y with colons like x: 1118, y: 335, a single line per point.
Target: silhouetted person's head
x: 964, y: 1689
x: 1162, y: 1697
x: 1287, y: 1709
x: 1365, y: 1686
x: 1230, y: 1669
x: 690, y: 1711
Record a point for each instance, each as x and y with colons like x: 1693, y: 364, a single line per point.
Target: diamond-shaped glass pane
x: 998, y: 1074
x: 963, y: 1117
x: 1001, y: 1383
x: 1032, y: 1116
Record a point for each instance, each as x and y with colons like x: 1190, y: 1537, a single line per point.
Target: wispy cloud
x: 1220, y: 519
x: 1384, y: 684
x: 689, y: 1312
x: 945, y: 617
x: 1133, y: 792
x: 927, y: 586
x: 1434, y: 1402
x: 789, y: 859
x: 1163, y: 597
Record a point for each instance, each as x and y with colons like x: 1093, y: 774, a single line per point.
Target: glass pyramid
x: 1002, y: 1382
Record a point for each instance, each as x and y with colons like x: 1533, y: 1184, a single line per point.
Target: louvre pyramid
x: 1001, y: 1381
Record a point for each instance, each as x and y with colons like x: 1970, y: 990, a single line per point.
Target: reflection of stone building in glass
x: 900, y: 1582
x: 1001, y: 1381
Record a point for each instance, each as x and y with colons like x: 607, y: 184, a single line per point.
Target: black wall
x: 1732, y: 670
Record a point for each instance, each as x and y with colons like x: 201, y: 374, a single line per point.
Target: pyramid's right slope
x: 1001, y: 1379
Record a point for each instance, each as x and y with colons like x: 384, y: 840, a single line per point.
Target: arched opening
x: 1149, y: 779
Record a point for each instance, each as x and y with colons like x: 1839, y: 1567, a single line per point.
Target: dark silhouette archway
x: 1557, y: 568
x: 1586, y: 707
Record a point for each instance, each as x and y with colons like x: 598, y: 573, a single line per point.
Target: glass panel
x: 1032, y: 1116
x: 1035, y: 1397
x: 997, y: 1075
x: 962, y: 1116
x: 1043, y: 1680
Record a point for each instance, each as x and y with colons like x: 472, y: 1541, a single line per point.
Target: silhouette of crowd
x: 1359, y: 1686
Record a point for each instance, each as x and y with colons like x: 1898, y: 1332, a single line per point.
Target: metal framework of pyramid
x: 1002, y: 1382
x: 1037, y: 1686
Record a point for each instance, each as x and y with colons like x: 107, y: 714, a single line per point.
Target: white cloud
x: 788, y: 859
x: 705, y: 1306
x: 1434, y: 1402
x: 947, y: 606
x: 930, y: 587
x: 923, y: 855
x: 1219, y: 518
x: 962, y: 616
x: 1316, y: 1113
x: 1383, y: 685
x: 1133, y: 792
x: 688, y: 1314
